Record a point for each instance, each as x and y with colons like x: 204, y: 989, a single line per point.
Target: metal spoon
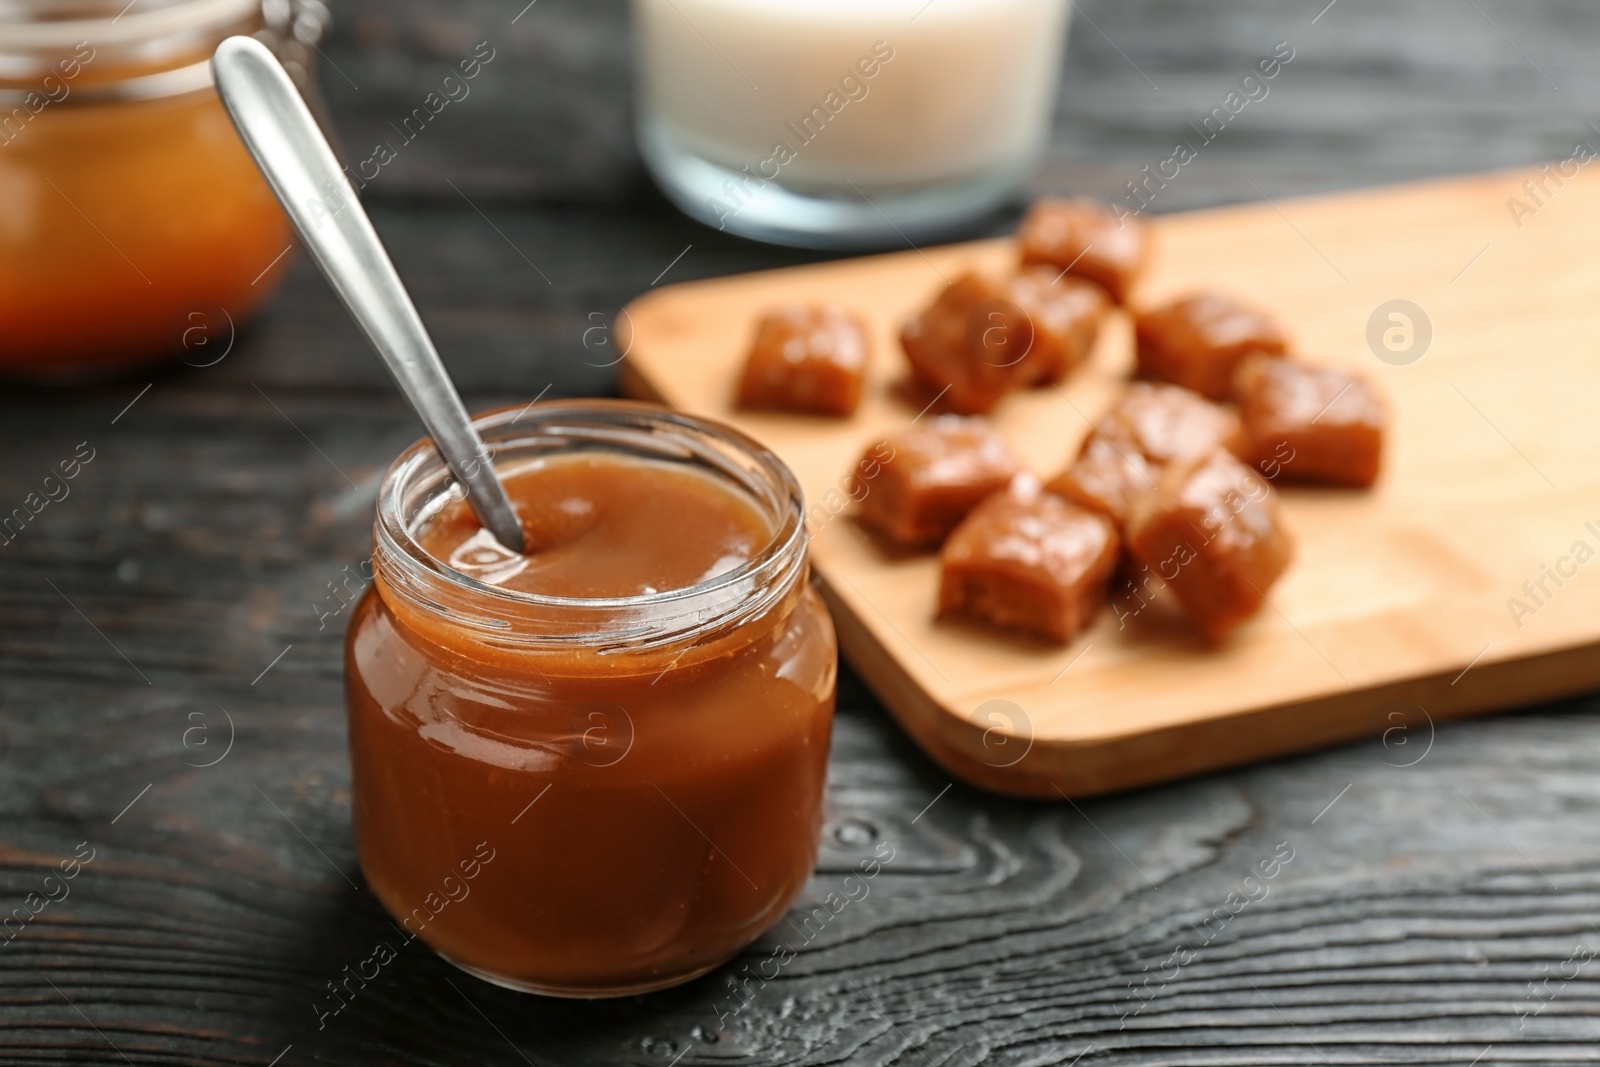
x: 278, y: 129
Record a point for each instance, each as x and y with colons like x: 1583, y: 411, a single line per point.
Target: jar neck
x: 100, y: 50
x: 436, y: 599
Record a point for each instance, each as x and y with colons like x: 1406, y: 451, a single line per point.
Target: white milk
x: 899, y: 97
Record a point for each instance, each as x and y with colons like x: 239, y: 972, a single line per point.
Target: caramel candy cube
x: 930, y: 476
x: 940, y: 346
x: 983, y: 337
x: 1310, y: 424
x: 806, y: 359
x: 1065, y: 313
x: 1028, y: 560
x: 1086, y: 238
x: 1167, y: 423
x: 1197, y: 342
x: 1151, y: 426
x: 1211, y: 532
x: 1107, y: 477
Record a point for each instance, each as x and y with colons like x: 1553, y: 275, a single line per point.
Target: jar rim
x: 669, y: 613
x: 140, y: 53
x: 118, y: 26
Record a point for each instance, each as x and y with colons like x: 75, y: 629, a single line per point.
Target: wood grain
x: 1406, y: 930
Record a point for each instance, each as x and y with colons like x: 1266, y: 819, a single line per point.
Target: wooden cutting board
x: 1406, y: 605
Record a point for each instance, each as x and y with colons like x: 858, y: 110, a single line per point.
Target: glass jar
x: 585, y: 797
x: 132, y: 220
x: 844, y: 123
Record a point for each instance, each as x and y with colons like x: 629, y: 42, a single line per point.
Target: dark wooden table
x: 1441, y: 902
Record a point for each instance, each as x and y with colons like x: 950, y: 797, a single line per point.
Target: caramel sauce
x: 597, y: 527
x: 130, y: 231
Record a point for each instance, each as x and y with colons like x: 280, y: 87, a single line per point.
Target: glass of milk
x: 839, y: 123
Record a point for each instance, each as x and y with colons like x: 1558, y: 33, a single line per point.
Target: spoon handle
x: 277, y: 127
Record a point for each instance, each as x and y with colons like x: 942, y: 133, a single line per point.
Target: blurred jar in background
x: 130, y: 213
